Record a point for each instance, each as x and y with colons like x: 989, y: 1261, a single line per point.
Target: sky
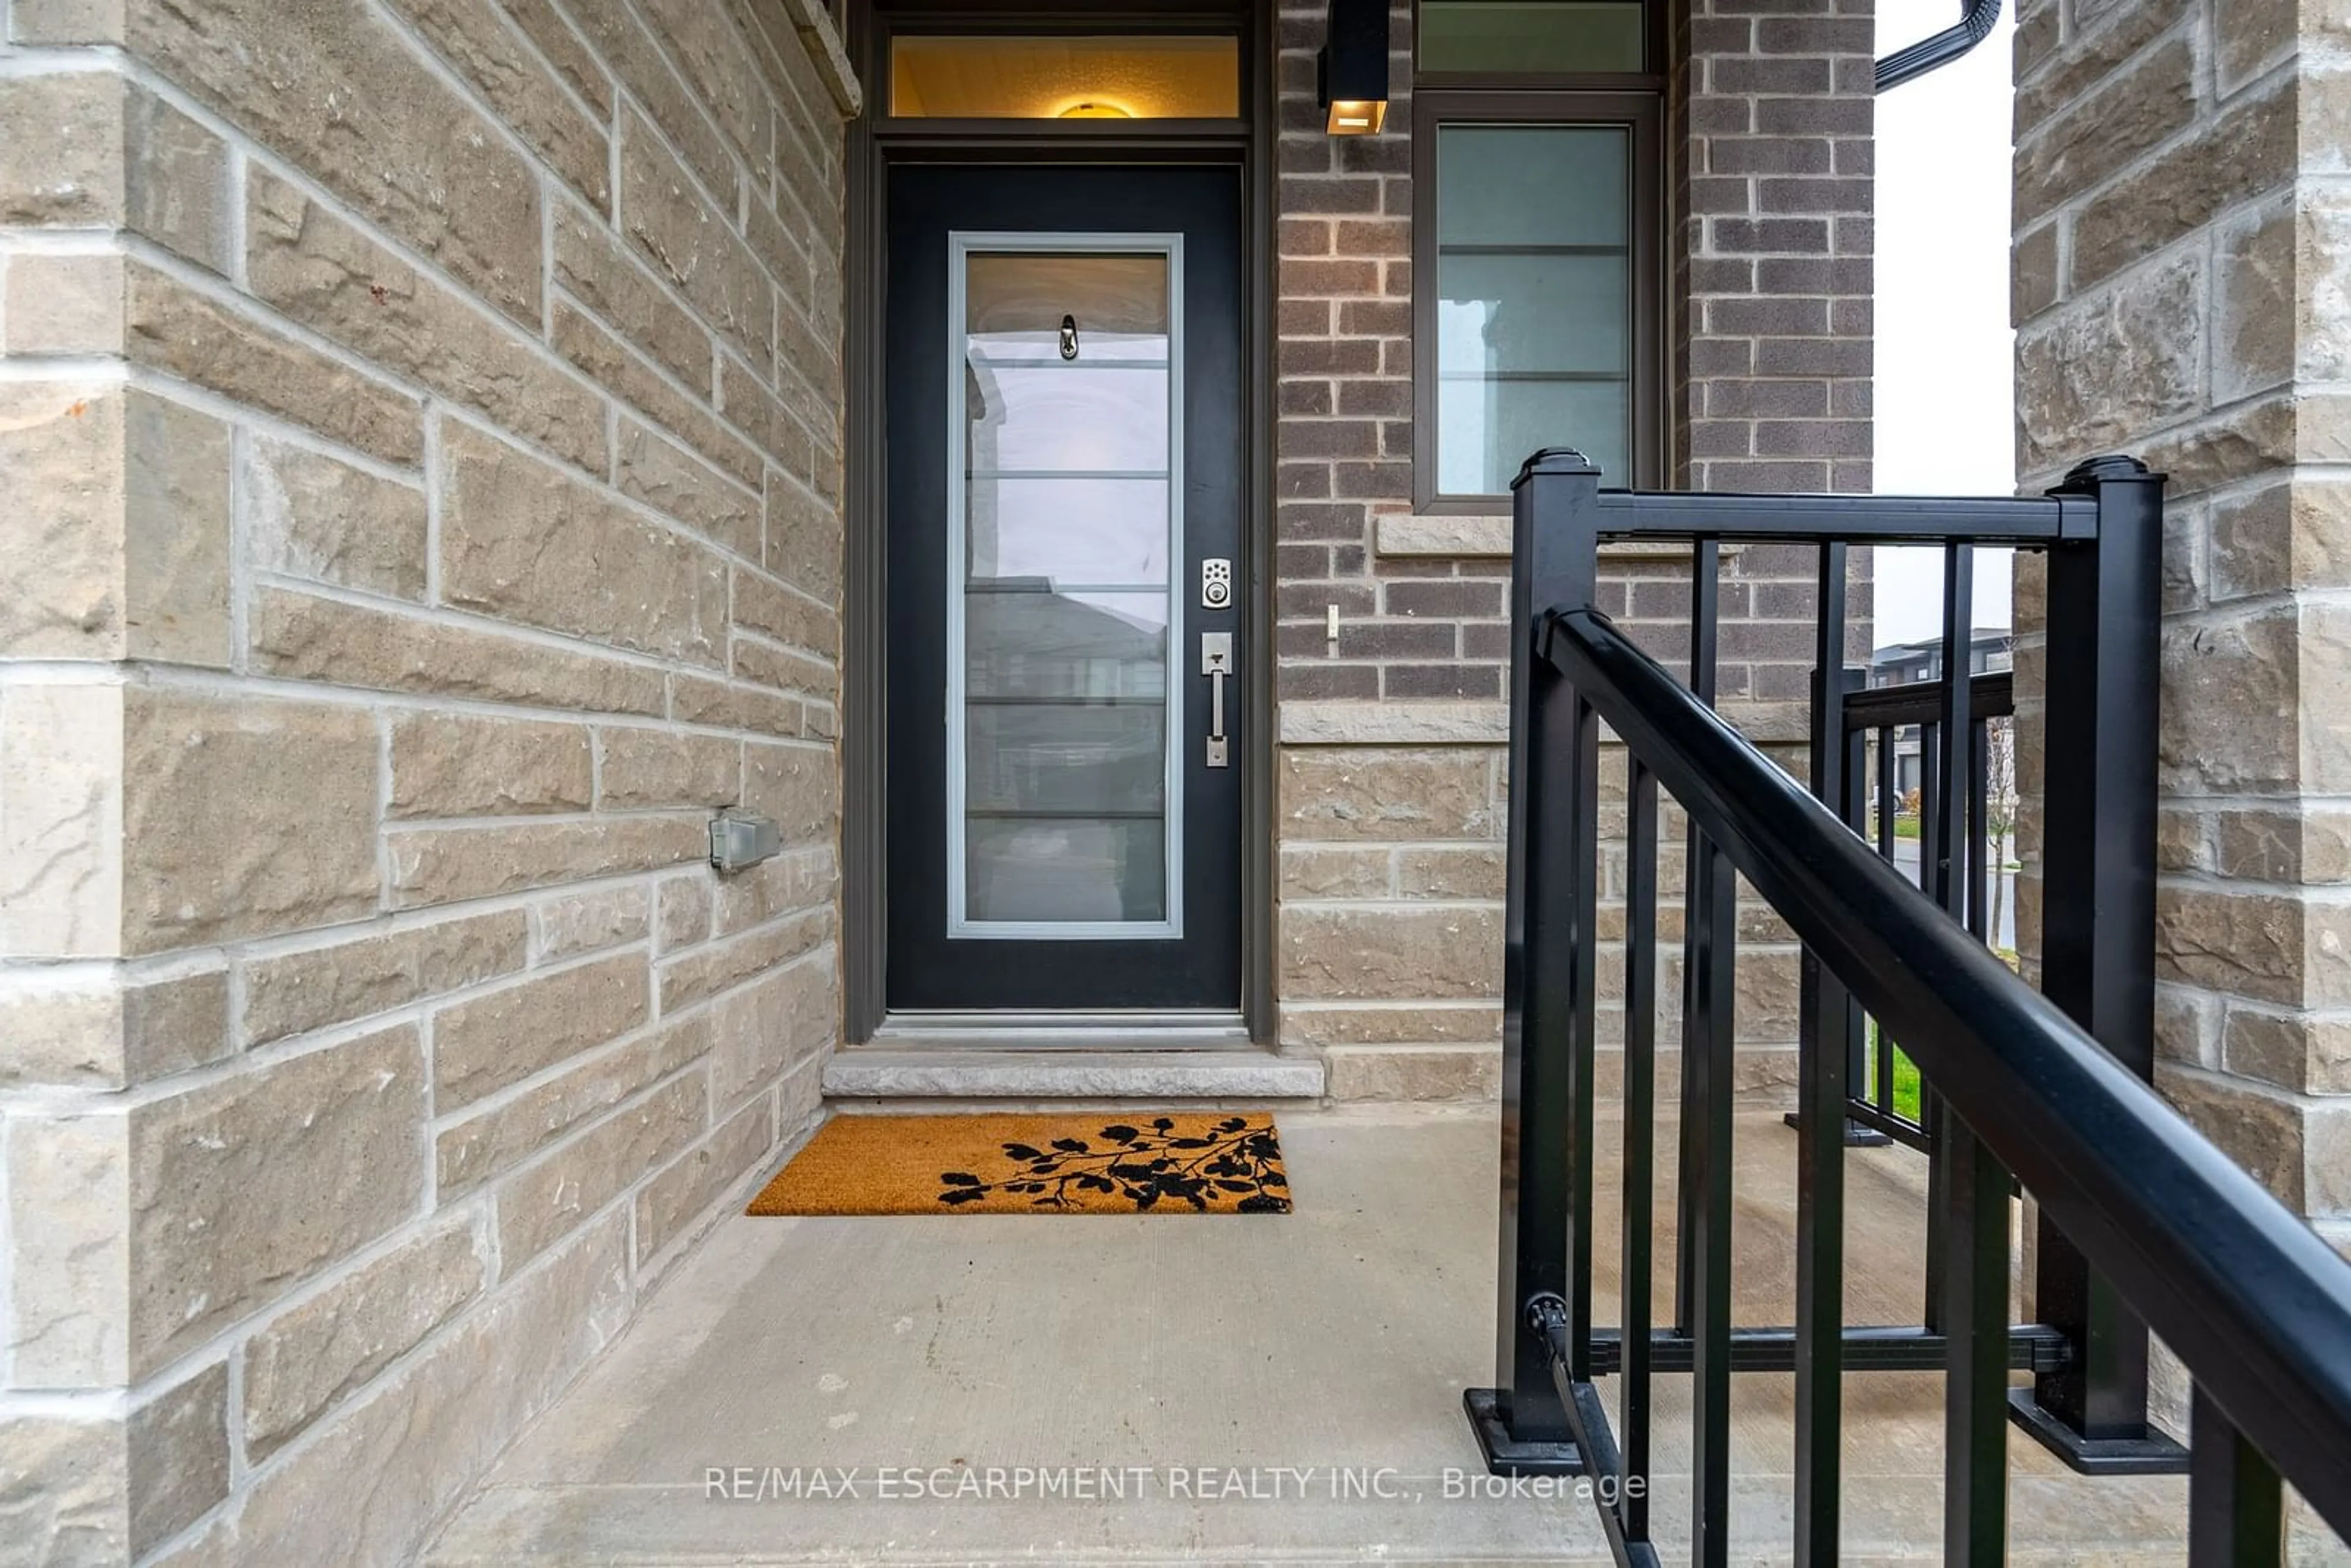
x: 1945, y: 394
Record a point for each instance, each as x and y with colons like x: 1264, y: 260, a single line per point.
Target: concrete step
x: 902, y: 1070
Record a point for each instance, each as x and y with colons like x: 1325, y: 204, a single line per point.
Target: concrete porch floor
x: 1339, y: 1336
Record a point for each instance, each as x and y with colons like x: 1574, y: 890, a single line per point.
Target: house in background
x: 1053, y: 465
x: 1905, y: 663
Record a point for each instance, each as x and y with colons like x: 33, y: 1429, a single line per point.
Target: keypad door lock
x: 1216, y: 583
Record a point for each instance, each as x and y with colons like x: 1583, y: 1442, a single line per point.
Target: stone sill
x: 817, y: 31
x: 1405, y: 536
x: 1448, y: 723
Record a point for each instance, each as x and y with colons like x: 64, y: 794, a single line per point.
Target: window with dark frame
x: 1536, y: 236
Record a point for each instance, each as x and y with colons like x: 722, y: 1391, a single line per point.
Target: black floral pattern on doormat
x: 1233, y: 1161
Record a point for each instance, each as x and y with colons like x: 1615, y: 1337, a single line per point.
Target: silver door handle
x: 1216, y: 663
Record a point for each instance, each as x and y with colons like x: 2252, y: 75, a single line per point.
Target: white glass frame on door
x: 962, y: 245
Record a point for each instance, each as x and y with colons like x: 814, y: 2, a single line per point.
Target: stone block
x: 1414, y: 1072
x: 303, y: 1361
x: 760, y: 1028
x: 694, y: 700
x: 2106, y: 130
x: 61, y: 752
x: 1337, y: 870
x: 803, y: 537
x: 1470, y: 871
x: 129, y: 533
x: 689, y: 242
x: 594, y: 269
x: 669, y: 1205
x: 61, y: 149
x: 64, y: 1490
x: 174, y: 328
x: 294, y: 993
x: 174, y: 181
x: 243, y: 817
x: 651, y: 468
x: 647, y: 769
x: 2230, y: 695
x: 67, y: 1324
x: 1346, y: 952
x: 2300, y: 1150
x: 683, y: 918
x: 438, y: 865
x: 636, y: 56
x: 720, y: 966
x: 302, y: 637
x: 719, y: 70
x: 2106, y: 369
x: 485, y: 1146
x: 521, y: 539
x: 326, y: 274
x: 589, y: 921
x: 784, y: 668
x: 107, y: 1031
x: 786, y: 614
x: 334, y: 1135
x: 435, y: 1425
x: 615, y: 367
x: 462, y: 765
x: 798, y: 786
x: 2248, y: 942
x: 2308, y: 1053
x: 482, y: 1045
x: 310, y: 515
x: 488, y: 52
x: 2247, y: 149
x: 175, y: 1447
x: 63, y: 304
x: 61, y: 452
x: 541, y: 1205
x: 1393, y: 1023
x: 2255, y: 321
x: 336, y: 90
x: 793, y: 881
x: 2281, y: 537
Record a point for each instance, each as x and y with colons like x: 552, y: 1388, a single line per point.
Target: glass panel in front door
x: 1064, y: 799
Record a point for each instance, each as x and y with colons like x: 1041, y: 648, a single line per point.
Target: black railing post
x: 2098, y: 941
x: 1521, y: 1424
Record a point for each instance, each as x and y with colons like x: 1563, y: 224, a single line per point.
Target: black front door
x: 1065, y: 462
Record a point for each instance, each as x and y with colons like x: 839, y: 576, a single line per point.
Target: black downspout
x: 1974, y: 25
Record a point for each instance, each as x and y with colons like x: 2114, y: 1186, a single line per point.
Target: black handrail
x: 2251, y: 1299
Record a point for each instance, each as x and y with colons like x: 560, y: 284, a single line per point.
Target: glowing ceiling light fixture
x: 1351, y: 72
x: 1095, y: 109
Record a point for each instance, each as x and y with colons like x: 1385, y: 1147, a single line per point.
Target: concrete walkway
x: 1228, y: 1374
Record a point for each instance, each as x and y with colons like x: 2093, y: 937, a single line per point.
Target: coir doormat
x: 1053, y: 1164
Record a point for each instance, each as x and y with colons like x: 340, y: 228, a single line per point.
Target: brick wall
x: 2179, y: 275
x: 420, y: 436
x: 1390, y: 815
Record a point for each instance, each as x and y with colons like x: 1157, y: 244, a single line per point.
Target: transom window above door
x: 996, y: 77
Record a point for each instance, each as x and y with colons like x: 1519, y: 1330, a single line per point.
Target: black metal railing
x: 2142, y: 1220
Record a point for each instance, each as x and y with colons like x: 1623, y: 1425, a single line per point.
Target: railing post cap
x: 2092, y: 472
x: 1554, y: 460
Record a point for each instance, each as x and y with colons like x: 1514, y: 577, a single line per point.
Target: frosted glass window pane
x: 1534, y: 342
x: 1524, y: 37
x: 1132, y: 78
x: 1067, y: 870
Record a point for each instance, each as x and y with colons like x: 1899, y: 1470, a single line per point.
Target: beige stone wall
x: 1389, y: 811
x: 418, y: 477
x: 2180, y: 270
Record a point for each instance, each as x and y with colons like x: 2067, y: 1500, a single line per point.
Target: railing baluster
x: 1979, y: 831
x: 1706, y: 599
x: 1975, y: 1319
x: 2236, y: 1513
x: 1707, y: 1031
x: 1640, y: 1131
x: 1820, y: 1125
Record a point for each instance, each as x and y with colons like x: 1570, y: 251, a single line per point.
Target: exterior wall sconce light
x: 1351, y: 72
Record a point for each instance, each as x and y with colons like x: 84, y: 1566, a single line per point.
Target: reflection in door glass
x: 1061, y: 811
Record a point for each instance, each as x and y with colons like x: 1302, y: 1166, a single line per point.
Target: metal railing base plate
x: 1505, y: 1455
x: 2153, y: 1454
